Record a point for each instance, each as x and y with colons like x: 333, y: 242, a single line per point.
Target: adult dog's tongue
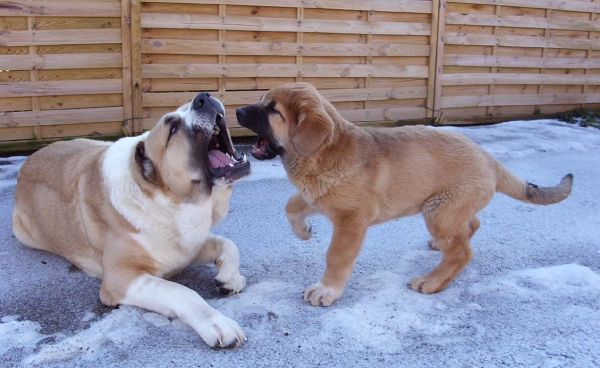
x: 218, y: 159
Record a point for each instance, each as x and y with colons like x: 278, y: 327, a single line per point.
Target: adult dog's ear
x: 146, y: 166
x: 314, y: 129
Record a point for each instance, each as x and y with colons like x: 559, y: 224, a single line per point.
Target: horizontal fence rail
x: 113, y: 67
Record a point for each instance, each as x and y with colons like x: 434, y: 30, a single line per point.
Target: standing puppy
x: 137, y: 211
x: 358, y: 177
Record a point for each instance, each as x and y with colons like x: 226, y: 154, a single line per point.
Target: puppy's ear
x: 314, y: 130
x: 146, y: 166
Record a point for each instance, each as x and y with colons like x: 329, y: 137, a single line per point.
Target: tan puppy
x: 358, y: 177
x: 140, y: 210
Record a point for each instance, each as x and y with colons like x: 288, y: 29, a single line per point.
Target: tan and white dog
x: 138, y: 211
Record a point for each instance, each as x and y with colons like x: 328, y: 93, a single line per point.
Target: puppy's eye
x: 272, y: 110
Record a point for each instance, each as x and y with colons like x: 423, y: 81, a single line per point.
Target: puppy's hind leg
x: 473, y: 225
x: 450, y: 219
x: 298, y: 211
x: 225, y: 255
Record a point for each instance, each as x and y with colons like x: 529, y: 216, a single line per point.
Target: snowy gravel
x: 530, y: 296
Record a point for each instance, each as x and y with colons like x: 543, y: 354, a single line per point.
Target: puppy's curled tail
x: 517, y: 188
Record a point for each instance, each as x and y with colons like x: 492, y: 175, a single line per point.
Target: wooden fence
x: 105, y: 68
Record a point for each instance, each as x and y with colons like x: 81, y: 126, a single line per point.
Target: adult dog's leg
x: 348, y: 235
x: 223, y: 253
x: 172, y: 300
x: 298, y: 211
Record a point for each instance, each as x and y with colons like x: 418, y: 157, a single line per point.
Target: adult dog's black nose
x: 201, y: 100
x: 240, y: 112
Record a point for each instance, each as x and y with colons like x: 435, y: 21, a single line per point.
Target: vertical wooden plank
x: 433, y: 42
x: 299, y: 39
x: 540, y: 87
x: 588, y: 53
x: 222, y: 58
x: 439, y: 58
x: 126, y: 67
x: 136, y: 65
x: 498, y: 12
x: 369, y: 59
x: 35, y: 100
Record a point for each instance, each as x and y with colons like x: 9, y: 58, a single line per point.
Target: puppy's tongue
x: 218, y: 159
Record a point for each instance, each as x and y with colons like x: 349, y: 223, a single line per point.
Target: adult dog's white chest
x: 171, y: 233
x: 173, y: 245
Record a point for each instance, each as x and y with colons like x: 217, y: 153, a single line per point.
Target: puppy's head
x: 190, y: 148
x: 290, y: 119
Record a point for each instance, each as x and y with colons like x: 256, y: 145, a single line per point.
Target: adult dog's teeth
x: 244, y: 159
x: 230, y: 164
x: 220, y: 115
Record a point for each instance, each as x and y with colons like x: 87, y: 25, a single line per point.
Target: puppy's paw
x: 219, y: 332
x: 302, y: 229
x: 235, y: 284
x: 319, y: 294
x: 433, y: 245
x: 425, y: 284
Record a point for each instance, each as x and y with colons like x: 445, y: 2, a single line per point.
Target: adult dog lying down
x: 358, y: 177
x: 139, y: 210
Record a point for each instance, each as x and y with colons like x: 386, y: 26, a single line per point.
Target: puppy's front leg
x: 223, y: 253
x: 175, y: 300
x: 348, y: 235
x: 298, y: 211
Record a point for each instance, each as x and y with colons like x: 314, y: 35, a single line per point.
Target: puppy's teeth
x: 230, y: 164
x: 244, y: 159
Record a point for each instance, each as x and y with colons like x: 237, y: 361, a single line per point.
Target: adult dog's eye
x: 174, y: 123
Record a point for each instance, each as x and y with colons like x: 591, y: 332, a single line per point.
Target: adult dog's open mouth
x: 223, y: 160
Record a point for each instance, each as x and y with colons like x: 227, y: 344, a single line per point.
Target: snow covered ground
x: 530, y: 296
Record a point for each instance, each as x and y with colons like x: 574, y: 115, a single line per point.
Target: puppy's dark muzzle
x: 253, y: 117
x: 242, y: 116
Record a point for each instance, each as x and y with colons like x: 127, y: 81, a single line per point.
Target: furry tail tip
x: 550, y: 195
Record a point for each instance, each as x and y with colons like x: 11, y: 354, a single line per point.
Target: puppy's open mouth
x: 262, y: 149
x: 223, y: 160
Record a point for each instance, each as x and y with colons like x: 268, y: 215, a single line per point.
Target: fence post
x: 128, y: 122
x: 136, y: 66
x: 439, y: 62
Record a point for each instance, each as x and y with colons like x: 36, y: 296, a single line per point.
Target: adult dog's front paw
x: 302, y: 229
x: 319, y: 294
x: 232, y: 285
x: 219, y: 332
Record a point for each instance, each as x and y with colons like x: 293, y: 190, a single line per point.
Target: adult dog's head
x: 191, y: 148
x: 290, y: 119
